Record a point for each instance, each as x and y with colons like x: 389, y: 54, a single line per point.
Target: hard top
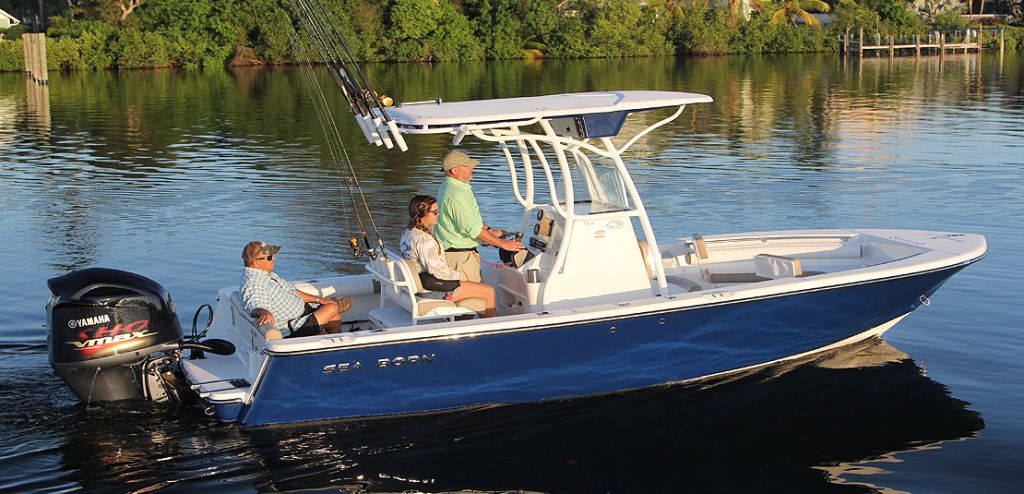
x: 451, y: 114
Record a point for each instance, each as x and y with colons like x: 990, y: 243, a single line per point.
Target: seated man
x: 272, y: 300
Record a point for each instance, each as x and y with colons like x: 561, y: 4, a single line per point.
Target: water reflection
x: 767, y: 429
x: 37, y: 107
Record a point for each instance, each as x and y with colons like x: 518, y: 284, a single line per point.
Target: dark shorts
x: 309, y: 327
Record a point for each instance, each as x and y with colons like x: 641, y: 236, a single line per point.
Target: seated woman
x: 421, y: 246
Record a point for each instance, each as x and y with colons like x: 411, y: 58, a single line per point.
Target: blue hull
x: 592, y: 357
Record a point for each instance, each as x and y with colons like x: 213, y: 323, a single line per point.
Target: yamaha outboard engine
x: 114, y: 335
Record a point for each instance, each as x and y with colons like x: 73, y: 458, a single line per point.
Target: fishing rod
x: 375, y: 119
x: 335, y: 144
x: 341, y: 77
x: 381, y: 103
x: 371, y: 97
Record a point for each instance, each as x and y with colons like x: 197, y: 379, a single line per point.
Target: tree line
x: 128, y: 34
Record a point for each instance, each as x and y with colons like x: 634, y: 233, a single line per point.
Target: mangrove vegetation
x: 129, y: 34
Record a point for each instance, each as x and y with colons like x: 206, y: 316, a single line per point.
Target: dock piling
x: 34, y: 47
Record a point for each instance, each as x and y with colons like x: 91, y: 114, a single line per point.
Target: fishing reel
x: 370, y: 251
x: 384, y: 99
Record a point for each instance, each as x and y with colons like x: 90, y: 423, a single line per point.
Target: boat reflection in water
x: 774, y: 428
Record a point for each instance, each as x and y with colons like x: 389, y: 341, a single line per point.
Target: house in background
x: 7, y: 20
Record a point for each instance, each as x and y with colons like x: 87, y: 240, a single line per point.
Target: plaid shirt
x: 268, y: 291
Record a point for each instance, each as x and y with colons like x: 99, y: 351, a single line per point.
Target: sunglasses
x: 269, y: 258
x: 434, y: 211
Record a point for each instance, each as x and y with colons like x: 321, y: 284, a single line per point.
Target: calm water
x: 169, y: 174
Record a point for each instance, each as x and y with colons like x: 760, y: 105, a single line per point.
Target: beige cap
x: 457, y: 158
x: 256, y: 249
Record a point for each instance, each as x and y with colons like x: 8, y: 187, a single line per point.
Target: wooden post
x: 942, y: 43
x: 1002, y: 45
x: 34, y: 47
x: 860, y: 46
x: 892, y: 50
x: 981, y: 34
x: 26, y: 46
x: 917, y: 45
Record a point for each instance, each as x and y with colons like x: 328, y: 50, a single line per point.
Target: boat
x: 599, y: 305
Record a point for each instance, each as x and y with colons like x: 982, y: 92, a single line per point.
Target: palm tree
x: 792, y: 10
x: 672, y: 7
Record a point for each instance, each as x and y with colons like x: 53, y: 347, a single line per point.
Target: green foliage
x: 701, y: 31
x: 761, y: 35
x: 1013, y: 36
x: 59, y: 26
x: 854, y: 18
x: 949, y: 20
x: 135, y: 49
x: 500, y: 25
x: 414, y: 19
x: 611, y: 29
x: 454, y: 39
x: 621, y: 29
x: 90, y: 51
x: 12, y: 55
x: 423, y: 30
x: 204, y: 33
x: 872, y: 22
x: 79, y: 45
x: 899, y: 13
x: 15, y: 32
x: 365, y: 22
x: 260, y: 24
x: 569, y: 39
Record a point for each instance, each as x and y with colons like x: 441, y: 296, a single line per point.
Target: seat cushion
x: 425, y: 305
x: 415, y: 275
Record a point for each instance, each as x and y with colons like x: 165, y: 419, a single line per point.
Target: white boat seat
x: 688, y: 285
x: 399, y: 286
x: 241, y: 319
x: 775, y: 267
x: 766, y: 267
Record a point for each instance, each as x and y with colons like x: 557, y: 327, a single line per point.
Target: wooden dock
x: 953, y: 41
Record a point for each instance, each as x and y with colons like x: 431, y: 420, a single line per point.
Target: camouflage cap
x: 256, y: 249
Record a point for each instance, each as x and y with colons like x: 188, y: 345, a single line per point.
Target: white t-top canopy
x: 453, y: 114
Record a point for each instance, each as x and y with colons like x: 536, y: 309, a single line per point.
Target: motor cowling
x: 103, y: 324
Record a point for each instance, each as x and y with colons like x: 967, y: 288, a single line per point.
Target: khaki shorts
x: 465, y: 261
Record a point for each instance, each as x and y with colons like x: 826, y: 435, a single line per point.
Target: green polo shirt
x: 459, y: 221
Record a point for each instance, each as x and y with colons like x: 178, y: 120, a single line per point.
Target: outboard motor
x: 114, y: 335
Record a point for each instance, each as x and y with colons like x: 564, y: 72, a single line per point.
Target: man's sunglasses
x: 269, y: 258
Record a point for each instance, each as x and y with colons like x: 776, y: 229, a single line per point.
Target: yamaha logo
x: 88, y: 321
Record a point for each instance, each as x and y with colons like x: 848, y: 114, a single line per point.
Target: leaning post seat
x: 400, y: 286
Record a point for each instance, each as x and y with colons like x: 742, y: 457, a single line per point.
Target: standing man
x: 460, y: 228
x: 272, y: 300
